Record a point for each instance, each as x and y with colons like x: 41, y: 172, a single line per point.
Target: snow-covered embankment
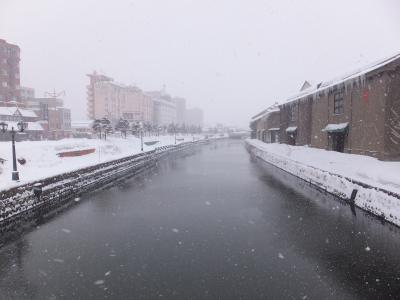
x: 18, y: 202
x: 42, y: 160
x: 375, y: 184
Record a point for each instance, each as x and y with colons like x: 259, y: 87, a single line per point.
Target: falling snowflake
x: 176, y: 230
x: 280, y: 255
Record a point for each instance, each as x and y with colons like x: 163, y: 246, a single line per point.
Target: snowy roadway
x: 212, y: 225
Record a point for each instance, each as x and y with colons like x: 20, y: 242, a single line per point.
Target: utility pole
x: 54, y: 94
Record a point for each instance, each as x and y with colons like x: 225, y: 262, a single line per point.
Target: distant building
x: 180, y: 110
x: 82, y: 129
x: 106, y: 98
x: 164, y: 108
x: 64, y: 118
x: 93, y: 103
x: 26, y: 94
x: 195, y: 117
x: 266, y: 125
x: 54, y: 117
x: 9, y: 73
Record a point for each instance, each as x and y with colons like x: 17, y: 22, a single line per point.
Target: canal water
x: 214, y: 224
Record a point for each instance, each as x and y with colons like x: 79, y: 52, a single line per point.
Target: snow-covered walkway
x: 369, y: 170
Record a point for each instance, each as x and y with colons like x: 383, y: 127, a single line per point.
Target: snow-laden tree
x: 122, y: 126
x: 135, y: 127
x: 97, y: 127
x: 106, y: 126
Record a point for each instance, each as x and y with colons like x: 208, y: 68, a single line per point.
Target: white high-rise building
x: 107, y: 98
x: 180, y: 110
x: 165, y: 112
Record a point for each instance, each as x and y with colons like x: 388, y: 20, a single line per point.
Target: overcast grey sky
x: 232, y: 58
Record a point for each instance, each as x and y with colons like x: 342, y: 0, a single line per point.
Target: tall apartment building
x: 93, y: 106
x: 106, y: 98
x: 164, y: 108
x: 9, y: 73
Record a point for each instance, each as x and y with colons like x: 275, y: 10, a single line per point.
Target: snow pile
x: 42, y: 160
x: 377, y: 182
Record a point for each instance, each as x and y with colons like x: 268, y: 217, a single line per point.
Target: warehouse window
x: 293, y: 113
x: 338, y: 102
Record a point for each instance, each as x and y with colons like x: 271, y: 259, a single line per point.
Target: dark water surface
x: 212, y: 225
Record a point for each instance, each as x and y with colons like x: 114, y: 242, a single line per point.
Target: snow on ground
x: 42, y: 160
x: 369, y: 170
x: 340, y: 174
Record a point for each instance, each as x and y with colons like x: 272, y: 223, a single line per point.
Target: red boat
x: 76, y: 153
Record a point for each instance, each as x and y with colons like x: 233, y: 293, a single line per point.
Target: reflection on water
x: 346, y: 240
x: 212, y: 224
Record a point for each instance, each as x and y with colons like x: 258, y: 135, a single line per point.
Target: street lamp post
x: 141, y: 139
x: 175, y: 133
x: 141, y: 136
x: 21, y: 127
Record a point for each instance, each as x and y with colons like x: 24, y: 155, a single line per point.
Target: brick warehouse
x: 358, y: 113
x: 267, y: 124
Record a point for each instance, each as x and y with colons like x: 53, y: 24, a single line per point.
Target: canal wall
x: 382, y: 203
x: 22, y: 203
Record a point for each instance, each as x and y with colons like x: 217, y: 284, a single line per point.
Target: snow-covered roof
x: 336, y: 127
x: 6, y: 111
x: 291, y: 129
x: 359, y: 73
x: 272, y: 108
x: 27, y: 113
x: 306, y: 85
x: 34, y: 126
x: 11, y: 111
